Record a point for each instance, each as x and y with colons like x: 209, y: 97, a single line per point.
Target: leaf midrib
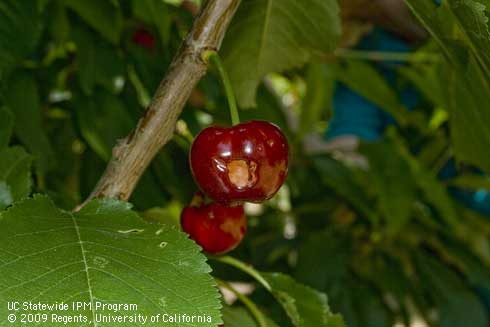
x: 87, y: 275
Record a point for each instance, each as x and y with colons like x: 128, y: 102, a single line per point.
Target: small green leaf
x: 319, y: 89
x: 342, y: 179
x: 273, y: 36
x: 433, y: 191
x: 59, y: 24
x: 102, y: 120
x: 473, y: 18
x: 456, y: 302
x: 6, y: 126
x: 20, y: 28
x: 394, y: 182
x: 22, y: 98
x: 15, y: 175
x: 101, y: 15
x: 107, y: 254
x: 355, y: 74
x: 240, y: 317
x: 99, y: 63
x: 305, y: 306
x: 468, y: 89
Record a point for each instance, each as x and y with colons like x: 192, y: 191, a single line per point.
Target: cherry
x: 144, y: 38
x: 246, y: 162
x: 215, y: 227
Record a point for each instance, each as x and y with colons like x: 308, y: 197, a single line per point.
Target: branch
x: 133, y: 154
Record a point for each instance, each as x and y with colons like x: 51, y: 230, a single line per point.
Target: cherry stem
x: 211, y: 56
x: 246, y: 268
x: 254, y: 310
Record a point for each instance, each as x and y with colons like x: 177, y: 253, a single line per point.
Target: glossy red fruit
x: 246, y: 162
x: 215, y: 227
x: 144, y: 38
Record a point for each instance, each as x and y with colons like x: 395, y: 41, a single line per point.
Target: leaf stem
x: 211, y: 56
x: 251, y: 306
x: 248, y: 269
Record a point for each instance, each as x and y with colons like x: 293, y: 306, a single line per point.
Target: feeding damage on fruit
x: 241, y: 173
x: 230, y: 227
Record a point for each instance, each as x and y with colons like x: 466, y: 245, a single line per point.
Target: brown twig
x: 132, y: 155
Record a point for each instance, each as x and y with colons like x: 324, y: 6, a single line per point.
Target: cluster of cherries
x: 247, y: 162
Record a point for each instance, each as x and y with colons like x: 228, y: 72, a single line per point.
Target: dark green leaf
x: 304, y: 305
x: 22, y: 98
x: 20, y: 28
x: 98, y: 62
x: 273, y: 36
x: 343, y: 181
x: 394, y: 182
x: 457, y: 304
x: 15, y: 175
x: 240, y: 317
x: 469, y: 127
x: 102, y: 120
x: 473, y: 19
x: 319, y: 89
x: 101, y: 15
x: 6, y: 126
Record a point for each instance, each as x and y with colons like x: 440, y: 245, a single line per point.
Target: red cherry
x: 215, y: 227
x: 246, y: 162
x: 144, y: 38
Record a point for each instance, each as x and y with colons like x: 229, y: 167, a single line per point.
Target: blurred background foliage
x: 388, y: 244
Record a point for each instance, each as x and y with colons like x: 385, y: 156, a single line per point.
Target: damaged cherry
x: 215, y: 227
x: 246, y: 162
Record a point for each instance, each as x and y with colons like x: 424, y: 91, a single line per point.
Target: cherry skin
x: 144, y: 38
x: 246, y: 162
x: 215, y: 227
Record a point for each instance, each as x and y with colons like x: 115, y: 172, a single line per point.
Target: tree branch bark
x: 132, y: 155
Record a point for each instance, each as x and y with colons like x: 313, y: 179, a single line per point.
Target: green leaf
x: 102, y: 120
x: 456, y: 302
x: 101, y: 15
x: 325, y: 273
x: 98, y: 62
x: 20, y: 28
x: 240, y: 317
x: 319, y: 90
x: 22, y: 98
x: 355, y: 75
x: 15, y: 175
x: 273, y: 36
x: 437, y: 21
x: 6, y: 126
x: 469, y: 84
x: 59, y: 24
x: 473, y: 19
x: 237, y: 317
x: 342, y: 179
x: 394, y: 182
x: 107, y: 254
x: 433, y: 191
x: 304, y: 305
x: 469, y: 127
